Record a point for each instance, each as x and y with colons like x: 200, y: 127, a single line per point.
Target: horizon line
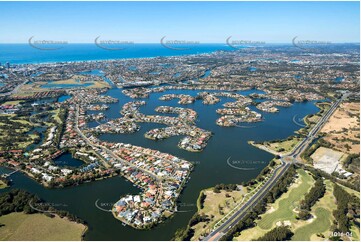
x: 199, y: 43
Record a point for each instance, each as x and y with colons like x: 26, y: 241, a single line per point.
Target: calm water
x: 66, y: 160
x: 210, y: 165
x: 339, y: 79
x: 24, y: 53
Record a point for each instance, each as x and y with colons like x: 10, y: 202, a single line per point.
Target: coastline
x: 173, y: 55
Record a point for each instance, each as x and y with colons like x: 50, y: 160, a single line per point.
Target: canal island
x: 54, y: 112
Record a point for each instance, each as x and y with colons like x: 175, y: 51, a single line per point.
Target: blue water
x: 37, y: 74
x: 66, y: 160
x: 206, y: 74
x: 339, y: 79
x: 24, y: 53
x: 252, y: 69
x: 63, y: 98
x: 211, y: 165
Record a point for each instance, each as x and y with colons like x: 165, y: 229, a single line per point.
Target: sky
x: 205, y: 22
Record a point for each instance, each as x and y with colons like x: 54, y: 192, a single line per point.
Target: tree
x: 277, y: 234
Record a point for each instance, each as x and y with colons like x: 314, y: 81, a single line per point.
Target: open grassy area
x: 14, y: 132
x: 342, y: 130
x: 282, y: 210
x: 76, y: 80
x: 355, y: 233
x: 3, y: 185
x: 320, y: 224
x: 16, y: 102
x: 283, y: 207
x: 225, y: 200
x: 283, y: 146
x: 20, y: 226
x: 323, y: 217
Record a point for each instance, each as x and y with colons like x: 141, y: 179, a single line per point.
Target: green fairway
x: 323, y: 221
x: 287, y: 202
x: 321, y: 224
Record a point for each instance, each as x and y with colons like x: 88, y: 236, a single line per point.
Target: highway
x: 15, y: 90
x: 286, y: 161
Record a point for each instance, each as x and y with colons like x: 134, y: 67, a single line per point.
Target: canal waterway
x: 211, y: 168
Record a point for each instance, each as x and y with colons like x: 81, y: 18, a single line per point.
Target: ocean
x: 26, y: 54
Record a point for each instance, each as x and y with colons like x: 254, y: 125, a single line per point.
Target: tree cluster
x: 347, y: 209
x: 280, y: 233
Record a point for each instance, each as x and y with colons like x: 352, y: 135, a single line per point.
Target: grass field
x: 226, y: 200
x: 320, y: 224
x: 284, y: 145
x: 282, y: 210
x: 285, y: 205
x: 2, y: 185
x: 20, y: 226
x: 323, y: 220
x: 31, y: 88
x: 355, y: 233
x: 16, y: 102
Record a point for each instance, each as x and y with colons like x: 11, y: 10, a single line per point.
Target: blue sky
x: 206, y: 22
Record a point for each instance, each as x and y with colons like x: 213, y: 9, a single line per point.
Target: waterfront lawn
x: 75, y: 81
x: 283, y: 146
x: 79, y: 79
x: 3, y: 185
x: 20, y: 226
x: 312, y: 119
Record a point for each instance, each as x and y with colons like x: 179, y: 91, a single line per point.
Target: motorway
x: 15, y: 90
x: 286, y: 161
